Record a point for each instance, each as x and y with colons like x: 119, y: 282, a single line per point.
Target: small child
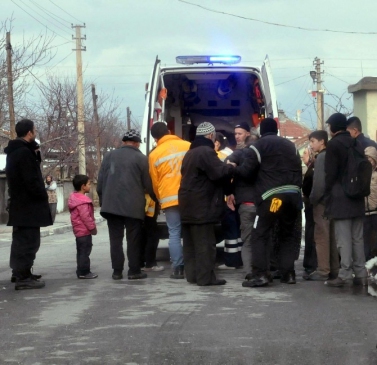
x: 83, y: 224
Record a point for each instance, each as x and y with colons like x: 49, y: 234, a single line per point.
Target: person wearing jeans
x: 165, y: 163
x: 173, y: 221
x: 347, y: 213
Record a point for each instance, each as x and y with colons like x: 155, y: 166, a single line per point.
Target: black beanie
x: 337, y: 122
x: 268, y: 125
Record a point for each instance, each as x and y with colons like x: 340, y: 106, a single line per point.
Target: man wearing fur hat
x: 370, y: 219
x: 201, y: 205
x: 123, y: 181
x: 347, y: 213
x: 274, y: 166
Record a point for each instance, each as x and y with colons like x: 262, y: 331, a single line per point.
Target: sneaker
x: 306, y: 274
x: 316, y: 276
x: 153, y: 268
x: 137, y: 276
x: 224, y: 267
x: 178, y: 273
x: 338, y: 282
x: 256, y: 282
x: 29, y: 283
x: 13, y: 278
x: 289, y: 278
x: 88, y: 276
x: 117, y: 275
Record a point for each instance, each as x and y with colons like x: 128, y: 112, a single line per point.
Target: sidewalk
x: 62, y: 224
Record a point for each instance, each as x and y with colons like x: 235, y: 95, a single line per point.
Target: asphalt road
x: 165, y: 321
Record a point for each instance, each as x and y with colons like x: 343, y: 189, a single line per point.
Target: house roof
x: 293, y: 130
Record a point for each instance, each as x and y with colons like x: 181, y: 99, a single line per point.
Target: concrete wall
x: 371, y: 116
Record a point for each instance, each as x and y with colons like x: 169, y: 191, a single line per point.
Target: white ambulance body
x: 216, y: 89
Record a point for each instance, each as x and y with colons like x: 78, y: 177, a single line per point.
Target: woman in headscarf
x: 50, y: 186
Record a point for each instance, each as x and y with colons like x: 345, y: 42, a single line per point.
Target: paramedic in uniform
x: 275, y: 165
x: 165, y: 169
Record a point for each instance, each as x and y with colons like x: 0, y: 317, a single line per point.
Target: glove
x: 275, y: 205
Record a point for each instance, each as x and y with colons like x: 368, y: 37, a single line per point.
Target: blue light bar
x: 226, y: 60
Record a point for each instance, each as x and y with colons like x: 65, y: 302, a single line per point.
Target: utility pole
x: 128, y: 118
x: 320, y: 101
x: 96, y: 119
x: 80, y: 99
x: 12, y: 119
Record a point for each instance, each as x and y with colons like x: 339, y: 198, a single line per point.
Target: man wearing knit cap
x: 241, y: 132
x: 347, y: 213
x: 274, y: 166
x: 201, y: 205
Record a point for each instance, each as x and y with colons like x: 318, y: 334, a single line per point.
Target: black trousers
x: 232, y: 236
x: 310, y: 253
x: 149, y: 242
x: 199, y: 252
x: 84, y: 248
x: 25, y: 245
x: 264, y: 222
x: 116, y: 225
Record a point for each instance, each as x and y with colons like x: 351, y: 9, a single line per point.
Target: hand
x: 230, y: 202
x: 231, y: 163
x: 93, y: 232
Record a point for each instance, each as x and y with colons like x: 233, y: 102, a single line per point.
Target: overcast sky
x: 124, y: 37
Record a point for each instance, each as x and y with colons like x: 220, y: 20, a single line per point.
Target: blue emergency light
x: 226, y: 60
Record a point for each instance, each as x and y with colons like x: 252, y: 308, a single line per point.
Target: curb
x: 63, y: 229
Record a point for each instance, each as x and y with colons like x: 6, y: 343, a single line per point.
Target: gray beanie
x: 204, y: 129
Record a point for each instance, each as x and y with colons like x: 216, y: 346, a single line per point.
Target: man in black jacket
x: 355, y: 129
x: 347, y: 213
x: 275, y: 166
x: 28, y: 209
x: 201, y: 205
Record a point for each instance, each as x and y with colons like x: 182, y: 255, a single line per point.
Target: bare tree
x: 56, y: 119
x: 32, y: 51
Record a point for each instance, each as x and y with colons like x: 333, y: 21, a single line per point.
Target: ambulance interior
x: 223, y: 98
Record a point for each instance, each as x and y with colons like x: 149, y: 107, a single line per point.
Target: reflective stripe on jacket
x: 165, y: 163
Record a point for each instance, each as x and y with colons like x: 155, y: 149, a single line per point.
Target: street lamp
x: 313, y: 75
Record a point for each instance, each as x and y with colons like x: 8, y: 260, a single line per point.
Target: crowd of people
x: 254, y: 191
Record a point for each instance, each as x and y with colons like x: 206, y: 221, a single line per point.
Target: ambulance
x: 216, y: 89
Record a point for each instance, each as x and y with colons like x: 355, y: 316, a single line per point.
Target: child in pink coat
x: 83, y: 224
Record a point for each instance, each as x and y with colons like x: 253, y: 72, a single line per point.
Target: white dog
x: 371, y: 267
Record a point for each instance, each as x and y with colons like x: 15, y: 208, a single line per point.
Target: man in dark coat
x: 275, y: 166
x: 355, y: 129
x: 201, y: 205
x: 28, y: 209
x: 123, y: 181
x: 347, y: 213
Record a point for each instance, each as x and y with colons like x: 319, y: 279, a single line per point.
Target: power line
x: 296, y: 78
x: 45, y: 18
x: 327, y: 73
x: 38, y: 20
x: 66, y: 12
x: 275, y: 24
x: 51, y: 14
